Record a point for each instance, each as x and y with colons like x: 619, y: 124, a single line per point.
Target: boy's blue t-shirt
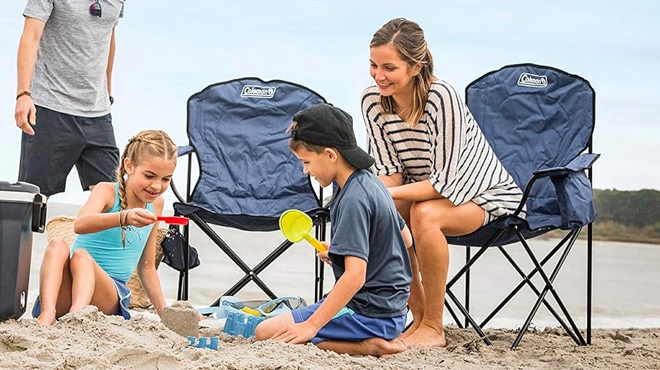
x: 366, y: 224
x: 106, y: 247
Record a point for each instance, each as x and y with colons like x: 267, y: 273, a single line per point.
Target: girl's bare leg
x: 54, y: 282
x: 91, y: 285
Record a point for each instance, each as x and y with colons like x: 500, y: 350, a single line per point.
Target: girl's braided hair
x: 147, y: 143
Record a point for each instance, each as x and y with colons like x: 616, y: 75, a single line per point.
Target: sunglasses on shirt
x: 95, y: 9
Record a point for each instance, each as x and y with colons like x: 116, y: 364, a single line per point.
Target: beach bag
x: 259, y: 308
x: 173, y: 251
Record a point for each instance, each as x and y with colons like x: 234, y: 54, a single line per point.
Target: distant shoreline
x: 583, y: 236
x: 624, y: 236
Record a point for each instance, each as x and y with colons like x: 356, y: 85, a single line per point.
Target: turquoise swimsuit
x: 117, y: 261
x: 106, y: 249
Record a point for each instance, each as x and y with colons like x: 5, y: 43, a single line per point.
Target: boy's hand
x: 296, y: 333
x: 324, y: 255
x: 140, y: 217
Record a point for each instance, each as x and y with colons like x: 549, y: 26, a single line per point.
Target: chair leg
x: 575, y: 334
x: 527, y: 280
x: 321, y: 230
x: 589, y: 278
x: 457, y: 276
x: 453, y: 315
x: 182, y: 294
x: 469, y: 318
x: 467, y: 284
x: 250, y: 274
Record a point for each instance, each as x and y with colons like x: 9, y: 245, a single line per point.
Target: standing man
x: 63, y: 97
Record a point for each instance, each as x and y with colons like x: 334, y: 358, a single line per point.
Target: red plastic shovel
x: 174, y: 220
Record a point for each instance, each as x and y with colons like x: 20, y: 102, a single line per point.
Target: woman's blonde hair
x: 146, y: 144
x: 407, y: 38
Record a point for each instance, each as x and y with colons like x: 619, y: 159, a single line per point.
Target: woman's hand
x: 139, y: 217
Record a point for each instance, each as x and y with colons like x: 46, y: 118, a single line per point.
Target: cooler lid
x: 17, y: 192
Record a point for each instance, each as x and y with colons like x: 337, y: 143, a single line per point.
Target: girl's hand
x: 139, y: 217
x: 324, y: 255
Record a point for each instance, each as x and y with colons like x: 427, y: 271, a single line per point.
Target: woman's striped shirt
x: 446, y: 147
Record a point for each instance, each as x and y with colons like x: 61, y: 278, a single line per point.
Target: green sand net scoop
x: 296, y: 225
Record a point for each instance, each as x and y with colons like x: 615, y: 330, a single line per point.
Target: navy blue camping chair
x: 539, y: 121
x: 247, y: 174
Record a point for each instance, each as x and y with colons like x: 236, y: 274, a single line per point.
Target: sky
x: 167, y: 51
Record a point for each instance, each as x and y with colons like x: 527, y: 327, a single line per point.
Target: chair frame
x: 320, y: 217
x: 566, y: 243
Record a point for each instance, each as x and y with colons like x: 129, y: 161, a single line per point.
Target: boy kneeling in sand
x: 365, y: 311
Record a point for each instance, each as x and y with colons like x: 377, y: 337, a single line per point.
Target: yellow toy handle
x: 315, y: 243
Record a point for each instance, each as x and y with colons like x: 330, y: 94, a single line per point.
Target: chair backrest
x: 247, y: 172
x: 534, y: 117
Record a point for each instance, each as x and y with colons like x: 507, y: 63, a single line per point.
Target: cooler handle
x: 39, y: 213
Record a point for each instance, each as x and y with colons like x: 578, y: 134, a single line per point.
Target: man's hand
x: 26, y: 114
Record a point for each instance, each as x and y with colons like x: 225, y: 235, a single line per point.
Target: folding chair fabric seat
x: 539, y: 121
x: 247, y: 174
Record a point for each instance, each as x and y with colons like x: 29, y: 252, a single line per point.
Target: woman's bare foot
x: 410, y: 330
x: 426, y: 336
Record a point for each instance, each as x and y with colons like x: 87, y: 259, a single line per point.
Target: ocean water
x: 626, y: 277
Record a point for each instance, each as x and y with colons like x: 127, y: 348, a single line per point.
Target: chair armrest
x: 579, y: 163
x: 184, y: 150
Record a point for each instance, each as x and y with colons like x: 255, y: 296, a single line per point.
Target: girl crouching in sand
x: 116, y: 233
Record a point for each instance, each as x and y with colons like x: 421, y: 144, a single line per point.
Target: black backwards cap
x: 329, y: 126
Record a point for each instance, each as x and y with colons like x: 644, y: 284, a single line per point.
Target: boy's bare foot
x: 381, y: 347
x: 426, y: 336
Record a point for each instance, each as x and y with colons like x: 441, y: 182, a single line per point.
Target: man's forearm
x: 111, y: 62
x: 26, y: 59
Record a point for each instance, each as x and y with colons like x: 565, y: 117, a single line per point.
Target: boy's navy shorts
x: 349, y: 326
x: 62, y: 141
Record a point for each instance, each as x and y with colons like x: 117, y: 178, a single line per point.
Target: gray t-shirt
x: 366, y: 224
x: 70, y: 72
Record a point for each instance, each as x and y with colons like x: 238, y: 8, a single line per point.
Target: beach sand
x: 91, y: 340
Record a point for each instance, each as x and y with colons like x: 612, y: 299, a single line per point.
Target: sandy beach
x: 90, y: 340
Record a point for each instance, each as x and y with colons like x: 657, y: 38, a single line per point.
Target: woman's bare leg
x: 417, y: 299
x: 431, y: 221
